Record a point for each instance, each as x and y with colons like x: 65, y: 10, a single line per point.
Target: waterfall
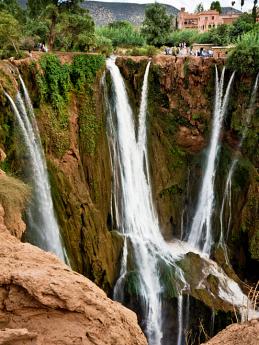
x: 43, y: 227
x: 201, y: 233
x: 227, y: 197
x: 137, y: 219
x: 180, y: 319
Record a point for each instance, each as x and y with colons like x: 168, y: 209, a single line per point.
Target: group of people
x: 183, y: 50
x: 42, y: 47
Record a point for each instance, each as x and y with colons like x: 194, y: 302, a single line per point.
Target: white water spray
x: 136, y: 218
x: 42, y: 222
x: 201, y: 233
x: 138, y: 221
x: 180, y: 319
x: 227, y: 197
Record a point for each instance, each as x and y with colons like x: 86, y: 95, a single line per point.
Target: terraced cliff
x: 67, y: 95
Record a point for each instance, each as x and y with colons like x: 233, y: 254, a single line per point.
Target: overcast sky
x: 190, y: 4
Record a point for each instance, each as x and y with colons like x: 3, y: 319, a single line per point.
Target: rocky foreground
x: 238, y: 334
x: 42, y: 301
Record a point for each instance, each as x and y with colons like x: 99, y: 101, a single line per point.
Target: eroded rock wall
x: 42, y: 301
x: 181, y: 101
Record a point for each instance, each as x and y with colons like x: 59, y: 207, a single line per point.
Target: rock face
x: 43, y: 302
x: 238, y: 334
x: 181, y: 98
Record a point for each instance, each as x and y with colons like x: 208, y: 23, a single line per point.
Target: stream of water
x: 42, y: 225
x: 200, y: 235
x: 227, y: 197
x: 135, y: 215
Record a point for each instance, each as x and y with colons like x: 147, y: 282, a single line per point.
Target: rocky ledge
x: 42, y: 301
x: 238, y: 334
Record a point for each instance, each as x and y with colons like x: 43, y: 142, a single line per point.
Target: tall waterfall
x: 43, y: 227
x: 137, y: 221
x: 200, y: 235
x: 227, y: 197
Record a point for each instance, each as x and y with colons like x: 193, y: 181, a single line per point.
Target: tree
x: 10, y: 31
x: 242, y: 25
x: 51, y: 12
x: 157, y: 24
x: 35, y: 7
x: 215, y: 5
x: 254, y: 11
x: 76, y: 31
x: 120, y: 24
x: 199, y: 8
x: 12, y: 7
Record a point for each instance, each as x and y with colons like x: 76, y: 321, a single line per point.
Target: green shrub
x: 14, y: 194
x: 103, y: 45
x: 125, y: 36
x: 55, y: 82
x: 143, y: 51
x: 188, y: 36
x: 245, y: 56
x: 84, y: 69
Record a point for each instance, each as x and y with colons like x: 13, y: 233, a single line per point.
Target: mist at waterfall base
x: 42, y: 228
x: 151, y: 282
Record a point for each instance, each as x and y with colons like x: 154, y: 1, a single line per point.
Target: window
x: 206, y: 18
x: 212, y: 17
x: 209, y: 26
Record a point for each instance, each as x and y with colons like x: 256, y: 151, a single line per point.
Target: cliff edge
x: 42, y: 301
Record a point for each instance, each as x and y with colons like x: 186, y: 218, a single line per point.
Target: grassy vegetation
x: 57, y: 82
x: 14, y: 194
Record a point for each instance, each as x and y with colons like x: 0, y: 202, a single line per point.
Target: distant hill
x: 107, y: 12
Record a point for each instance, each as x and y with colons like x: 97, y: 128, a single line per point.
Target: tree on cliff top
x: 10, y: 32
x: 35, y: 7
x: 157, y: 24
x: 215, y: 5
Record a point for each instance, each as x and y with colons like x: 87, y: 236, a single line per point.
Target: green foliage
x: 13, y: 8
x: 76, y: 31
x: 179, y: 157
x: 219, y: 36
x: 89, y: 123
x: 121, y: 35
x: 245, y: 56
x: 215, y: 5
x: 157, y: 24
x: 10, y: 32
x: 199, y: 8
x: 242, y: 25
x: 172, y: 190
x: 189, y: 36
x: 146, y: 51
x: 84, y: 69
x: 103, y: 45
x: 14, y: 194
x: 35, y: 7
x: 55, y: 83
x: 120, y: 24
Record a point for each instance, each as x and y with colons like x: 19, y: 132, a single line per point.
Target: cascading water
x: 200, y: 235
x: 43, y: 227
x: 136, y: 219
x: 227, y: 197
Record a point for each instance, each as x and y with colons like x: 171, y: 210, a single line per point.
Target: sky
x: 190, y: 4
